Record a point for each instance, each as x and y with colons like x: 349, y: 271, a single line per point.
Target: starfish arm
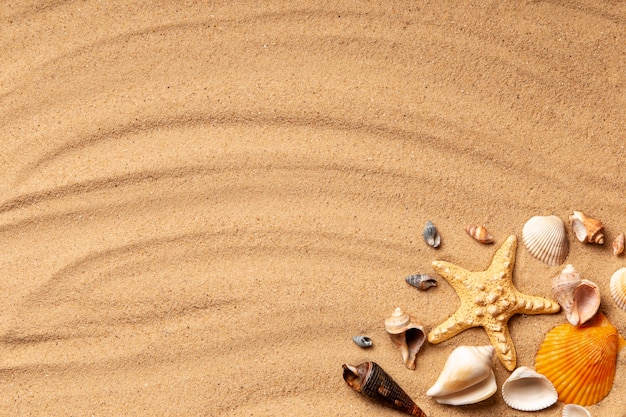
x: 454, y: 325
x: 530, y: 304
x: 452, y: 273
x: 500, y: 339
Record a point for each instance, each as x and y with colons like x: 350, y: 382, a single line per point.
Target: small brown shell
x: 587, y: 229
x: 421, y: 281
x: 407, y: 333
x: 479, y: 233
x: 618, y: 245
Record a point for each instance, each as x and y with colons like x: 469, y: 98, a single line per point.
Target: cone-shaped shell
x: 527, y: 390
x: 587, y: 229
x: 479, y: 233
x: 421, y: 281
x: 407, y: 333
x: 467, y: 377
x: 545, y: 239
x: 618, y: 287
x: 580, y: 361
x: 618, y: 245
x: 575, y: 410
x: 370, y: 379
x: 431, y: 235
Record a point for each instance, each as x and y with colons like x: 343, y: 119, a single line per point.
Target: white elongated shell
x: 467, y: 377
x: 546, y: 239
x: 575, y: 410
x: 618, y: 287
x: 527, y: 390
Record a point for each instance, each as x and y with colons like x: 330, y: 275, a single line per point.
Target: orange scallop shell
x: 580, y: 361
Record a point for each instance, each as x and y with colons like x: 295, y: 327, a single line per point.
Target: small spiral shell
x: 421, y: 281
x: 618, y: 245
x: 431, y: 235
x: 362, y: 341
x: 479, y: 233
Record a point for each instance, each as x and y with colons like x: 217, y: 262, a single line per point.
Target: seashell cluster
x: 579, y: 298
x: 370, y: 379
x: 575, y: 410
x: 407, y: 333
x: 467, y: 377
x: 618, y: 245
x: 587, y: 229
x: 421, y: 281
x: 362, y: 341
x: 527, y: 390
x: 431, y: 235
x: 617, y: 284
x: 479, y: 233
x: 580, y: 361
x: 546, y: 239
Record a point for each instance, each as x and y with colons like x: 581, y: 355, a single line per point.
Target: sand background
x: 201, y: 203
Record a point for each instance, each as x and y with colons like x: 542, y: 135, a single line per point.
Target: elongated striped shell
x: 546, y: 239
x: 527, y: 390
x: 421, y: 281
x: 479, y: 233
x: 618, y: 287
x: 575, y: 410
x: 580, y: 361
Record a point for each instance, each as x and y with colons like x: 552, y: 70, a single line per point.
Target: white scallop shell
x: 466, y: 378
x: 527, y: 390
x: 575, y: 410
x: 546, y: 239
x: 618, y: 287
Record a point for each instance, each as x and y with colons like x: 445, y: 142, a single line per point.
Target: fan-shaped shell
x: 467, y: 377
x: 407, y: 333
x: 479, y: 233
x: 575, y: 410
x: 618, y: 287
x: 545, y: 239
x: 431, y: 235
x: 587, y: 229
x: 580, y: 361
x: 527, y: 390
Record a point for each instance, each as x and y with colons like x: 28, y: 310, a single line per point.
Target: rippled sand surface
x: 201, y: 203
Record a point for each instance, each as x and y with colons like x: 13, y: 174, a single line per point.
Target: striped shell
x: 421, y: 281
x: 479, y: 233
x: 546, y: 239
x: 618, y: 245
x: 431, y: 235
x: 587, y: 229
x: 527, y: 390
x: 575, y: 410
x: 580, y: 361
x: 618, y: 287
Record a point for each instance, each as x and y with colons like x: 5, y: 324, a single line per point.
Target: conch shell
x: 479, y: 233
x: 587, y: 229
x: 580, y: 298
x: 407, y: 333
x: 466, y: 378
x: 527, y: 390
x: 370, y: 379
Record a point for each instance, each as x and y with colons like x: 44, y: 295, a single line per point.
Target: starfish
x: 489, y: 299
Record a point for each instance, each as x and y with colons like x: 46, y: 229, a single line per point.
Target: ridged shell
x: 546, y: 239
x: 467, y: 377
x: 575, y: 410
x: 527, y: 390
x: 362, y: 341
x: 431, y: 235
x: 618, y: 287
x: 618, y: 244
x: 370, y: 379
x: 479, y: 233
x: 407, y: 333
x: 421, y: 281
x: 580, y: 361
x: 587, y: 229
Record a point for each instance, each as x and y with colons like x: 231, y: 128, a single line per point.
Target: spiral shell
x: 527, y: 390
x: 575, y: 410
x: 362, y: 341
x: 580, y: 361
x: 370, y: 379
x: 587, y: 229
x: 407, y: 333
x: 431, y: 235
x: 546, y: 239
x: 618, y: 287
x: 618, y: 245
x: 479, y: 233
x: 421, y: 281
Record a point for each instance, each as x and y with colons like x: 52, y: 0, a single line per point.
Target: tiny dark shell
x: 362, y: 341
x: 431, y: 235
x: 421, y: 281
x: 370, y: 379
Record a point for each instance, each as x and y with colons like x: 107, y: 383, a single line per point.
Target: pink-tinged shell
x: 575, y: 410
x: 407, y: 333
x: 618, y: 287
x: 563, y: 287
x: 579, y: 298
x: 580, y: 361
x: 527, y: 390
x: 479, y: 233
x: 618, y: 245
x: 587, y: 229
x: 545, y: 239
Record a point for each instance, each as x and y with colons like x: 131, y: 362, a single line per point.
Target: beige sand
x: 202, y: 203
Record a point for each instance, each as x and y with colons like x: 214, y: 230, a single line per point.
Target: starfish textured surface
x: 489, y: 299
